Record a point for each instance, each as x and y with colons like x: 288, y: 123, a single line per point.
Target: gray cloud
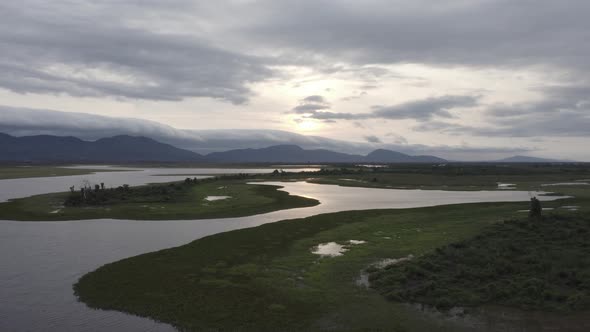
x: 566, y: 113
x: 181, y: 49
x: 311, y: 104
x: 148, y: 50
x: 309, y: 108
x: 420, y: 110
x: 76, y: 50
x: 23, y: 122
x: 479, y: 32
x: 315, y: 99
x: 397, y: 139
x: 373, y: 139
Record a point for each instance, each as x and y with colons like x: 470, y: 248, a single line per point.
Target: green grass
x: 18, y: 172
x: 538, y: 263
x: 448, y: 177
x: 189, y: 203
x: 266, y: 278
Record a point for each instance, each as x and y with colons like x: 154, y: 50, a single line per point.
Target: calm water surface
x: 39, y: 261
x: 18, y: 188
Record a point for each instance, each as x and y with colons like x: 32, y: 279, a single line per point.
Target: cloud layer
x: 24, y: 122
x: 488, y: 72
x: 421, y: 110
x: 77, y: 50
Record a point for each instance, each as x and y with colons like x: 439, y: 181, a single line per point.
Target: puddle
x: 506, y: 186
x: 578, y: 183
x: 353, y: 180
x: 363, y: 279
x: 571, y: 207
x: 544, y: 209
x: 392, y: 261
x: 333, y: 249
x: 216, y: 198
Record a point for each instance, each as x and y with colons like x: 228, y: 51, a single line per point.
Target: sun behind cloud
x: 304, y: 125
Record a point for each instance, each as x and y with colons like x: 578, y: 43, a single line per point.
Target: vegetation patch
x: 267, y: 279
x: 19, y: 172
x: 536, y: 263
x: 168, y: 201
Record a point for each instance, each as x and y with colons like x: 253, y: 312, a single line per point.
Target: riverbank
x: 21, y: 172
x: 268, y: 278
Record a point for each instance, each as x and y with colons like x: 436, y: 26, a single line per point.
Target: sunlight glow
x: 307, y: 125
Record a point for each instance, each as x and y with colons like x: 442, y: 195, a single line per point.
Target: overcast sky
x: 470, y: 79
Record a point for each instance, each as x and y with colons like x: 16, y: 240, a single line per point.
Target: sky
x: 463, y: 79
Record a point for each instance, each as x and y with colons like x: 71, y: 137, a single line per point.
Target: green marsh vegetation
x: 457, y: 176
x: 168, y: 201
x: 267, y: 278
x: 531, y: 263
x: 18, y: 172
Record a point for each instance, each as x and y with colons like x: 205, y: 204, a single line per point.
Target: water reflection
x: 39, y: 261
x: 18, y: 188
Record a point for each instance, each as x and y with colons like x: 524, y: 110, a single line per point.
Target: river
x: 40, y: 261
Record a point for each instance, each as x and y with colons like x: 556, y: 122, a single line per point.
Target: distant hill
x: 295, y: 154
x: 46, y: 148
x: 281, y: 154
x: 527, y: 159
x: 388, y: 156
x: 126, y: 149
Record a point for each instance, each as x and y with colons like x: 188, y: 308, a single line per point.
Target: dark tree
x: 536, y: 208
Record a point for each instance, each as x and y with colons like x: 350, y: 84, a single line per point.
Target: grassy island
x: 267, y: 278
x: 18, y: 172
x: 189, y: 199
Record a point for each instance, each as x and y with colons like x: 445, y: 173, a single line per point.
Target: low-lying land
x: 452, y: 176
x: 268, y: 278
x: 168, y: 201
x: 531, y: 263
x: 18, y: 172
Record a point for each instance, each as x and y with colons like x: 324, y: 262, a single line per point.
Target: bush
x: 541, y: 265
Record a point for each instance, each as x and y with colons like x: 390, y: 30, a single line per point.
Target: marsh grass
x: 530, y: 263
x: 18, y: 172
x: 267, y: 278
x: 158, y: 202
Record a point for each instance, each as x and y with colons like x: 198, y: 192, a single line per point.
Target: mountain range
x: 129, y: 149
x: 528, y: 159
x: 125, y: 149
x: 122, y: 149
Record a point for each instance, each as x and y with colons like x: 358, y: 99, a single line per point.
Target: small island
x: 188, y: 199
